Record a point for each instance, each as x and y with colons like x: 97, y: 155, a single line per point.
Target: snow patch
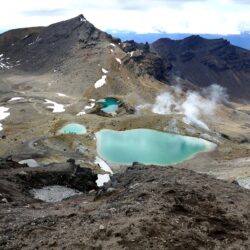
x: 62, y: 95
x: 101, y: 82
x: 16, y: 99
x: 112, y: 44
x: 244, y: 182
x: 81, y: 113
x: 3, y: 115
x: 4, y: 64
x: 82, y: 19
x: 104, y: 71
x: 30, y: 162
x: 101, y: 179
x: 53, y: 193
x: 57, y: 108
x: 92, y: 105
x: 131, y: 53
x: 103, y: 165
x: 118, y: 60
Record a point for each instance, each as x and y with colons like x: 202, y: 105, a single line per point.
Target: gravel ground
x: 143, y: 208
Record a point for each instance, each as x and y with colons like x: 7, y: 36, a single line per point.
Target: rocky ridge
x: 203, y: 62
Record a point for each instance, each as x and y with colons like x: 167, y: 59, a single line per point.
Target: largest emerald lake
x: 148, y: 146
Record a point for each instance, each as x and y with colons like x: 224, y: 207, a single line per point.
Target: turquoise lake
x: 148, y: 147
x: 110, y: 104
x: 73, y: 128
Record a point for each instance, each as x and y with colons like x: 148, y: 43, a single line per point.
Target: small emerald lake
x: 110, y: 104
x: 148, y: 147
x: 73, y: 128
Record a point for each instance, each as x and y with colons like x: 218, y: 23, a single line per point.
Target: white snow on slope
x: 131, y: 53
x: 112, y: 44
x: 4, y: 64
x: 244, y: 182
x: 101, y: 82
x: 15, y: 99
x: 104, y: 71
x: 103, y: 165
x: 118, y: 60
x: 62, y: 95
x: 82, y: 19
x: 92, y: 105
x: 103, y: 178
x: 81, y: 113
x: 30, y: 162
x: 3, y: 115
x: 57, y: 108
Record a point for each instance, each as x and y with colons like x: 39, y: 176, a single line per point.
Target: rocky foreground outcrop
x: 15, y: 182
x: 143, y: 208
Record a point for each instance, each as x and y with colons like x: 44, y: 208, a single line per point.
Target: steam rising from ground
x: 194, y: 106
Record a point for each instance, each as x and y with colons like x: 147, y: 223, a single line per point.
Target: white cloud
x: 142, y: 16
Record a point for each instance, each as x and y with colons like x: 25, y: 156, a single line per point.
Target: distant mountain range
x: 78, y: 52
x: 241, y: 40
x: 201, y: 62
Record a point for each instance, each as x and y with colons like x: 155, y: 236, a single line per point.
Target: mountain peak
x: 207, y: 61
x: 79, y: 18
x: 45, y: 46
x: 194, y: 38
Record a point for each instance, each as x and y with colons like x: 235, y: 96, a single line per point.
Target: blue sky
x: 141, y: 16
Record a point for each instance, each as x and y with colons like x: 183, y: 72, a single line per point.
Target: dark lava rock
x: 143, y: 208
x: 207, y: 61
x: 45, y: 48
x: 16, y: 180
x: 8, y: 163
x: 142, y: 61
x: 69, y: 175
